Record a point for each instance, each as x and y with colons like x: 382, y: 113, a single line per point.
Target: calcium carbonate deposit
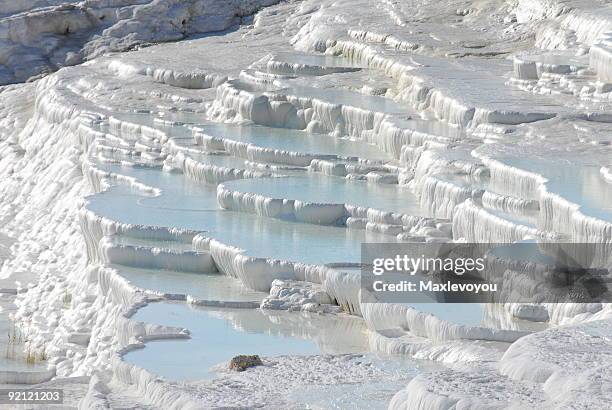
x: 182, y: 182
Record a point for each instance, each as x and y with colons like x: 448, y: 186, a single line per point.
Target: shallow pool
x: 201, y: 286
x: 185, y: 204
x: 581, y: 184
x: 293, y: 140
x: 219, y: 335
x: 332, y: 190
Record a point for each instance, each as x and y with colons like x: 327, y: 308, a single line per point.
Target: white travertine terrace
x: 420, y: 121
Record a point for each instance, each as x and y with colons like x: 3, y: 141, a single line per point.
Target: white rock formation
x: 494, y: 115
x: 39, y: 37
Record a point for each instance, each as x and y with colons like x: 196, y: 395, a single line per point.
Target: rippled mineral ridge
x: 185, y: 181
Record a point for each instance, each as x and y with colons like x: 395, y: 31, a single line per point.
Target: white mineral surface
x: 182, y: 182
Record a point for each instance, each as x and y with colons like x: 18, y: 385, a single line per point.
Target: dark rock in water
x: 243, y: 362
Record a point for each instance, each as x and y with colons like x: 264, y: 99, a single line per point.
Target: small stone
x: 242, y: 362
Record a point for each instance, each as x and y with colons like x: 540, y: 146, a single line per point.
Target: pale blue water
x: 185, y: 204
x: 202, y: 196
x: 217, y: 159
x: 333, y: 190
x: 580, y: 184
x: 203, y: 286
x: 266, y: 137
x: 219, y: 335
x: 294, y: 140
